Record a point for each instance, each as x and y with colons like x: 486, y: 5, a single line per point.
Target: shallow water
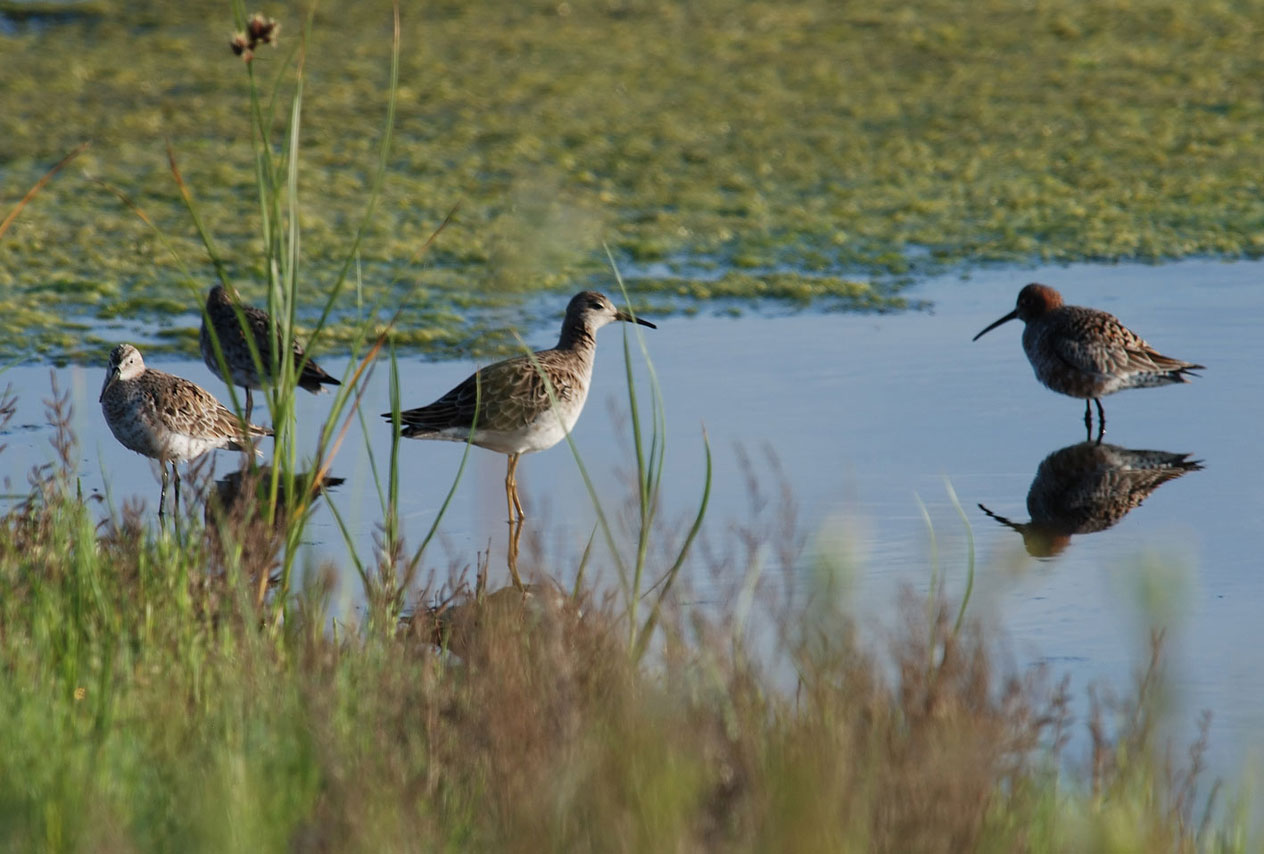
x: 865, y: 412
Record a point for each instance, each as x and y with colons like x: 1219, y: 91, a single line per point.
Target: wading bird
x: 222, y: 311
x: 523, y: 404
x: 167, y: 418
x: 1086, y: 353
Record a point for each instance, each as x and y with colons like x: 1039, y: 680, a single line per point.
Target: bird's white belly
x: 544, y: 432
x: 178, y: 447
x: 139, y: 434
x: 549, y: 429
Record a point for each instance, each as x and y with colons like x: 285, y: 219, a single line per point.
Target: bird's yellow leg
x: 517, y: 500
x: 511, y: 487
x: 515, y: 532
x: 508, y: 485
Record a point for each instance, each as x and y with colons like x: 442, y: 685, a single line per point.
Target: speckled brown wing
x: 1092, y: 342
x: 187, y: 408
x: 237, y: 351
x: 513, y: 394
x: 232, y: 341
x: 1096, y: 342
x: 312, y: 375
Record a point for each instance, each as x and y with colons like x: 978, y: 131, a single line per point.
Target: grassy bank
x: 848, y: 148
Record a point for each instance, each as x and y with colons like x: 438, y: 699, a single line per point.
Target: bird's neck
x: 578, y: 338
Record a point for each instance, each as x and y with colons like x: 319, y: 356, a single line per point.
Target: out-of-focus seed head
x: 262, y: 30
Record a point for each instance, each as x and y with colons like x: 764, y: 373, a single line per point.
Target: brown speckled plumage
x: 1086, y: 353
x: 515, y: 414
x: 165, y: 417
x: 514, y: 395
x: 223, y: 317
x: 1089, y: 487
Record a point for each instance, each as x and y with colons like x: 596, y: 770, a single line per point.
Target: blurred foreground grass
x: 800, y: 151
x: 153, y: 700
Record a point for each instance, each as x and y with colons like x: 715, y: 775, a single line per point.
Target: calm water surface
x: 866, y: 414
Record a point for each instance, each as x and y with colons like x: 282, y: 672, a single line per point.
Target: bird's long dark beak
x: 1039, y: 542
x: 1007, y: 523
x: 1006, y: 319
x: 110, y: 379
x: 627, y: 318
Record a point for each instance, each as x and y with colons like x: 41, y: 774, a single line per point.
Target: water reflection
x: 1089, y: 487
x: 476, y: 625
x: 244, y: 494
x: 237, y: 512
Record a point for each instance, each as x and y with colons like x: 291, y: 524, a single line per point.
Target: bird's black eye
x: 596, y: 305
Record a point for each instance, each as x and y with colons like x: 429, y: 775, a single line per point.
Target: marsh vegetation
x: 385, y: 187
x: 802, y: 151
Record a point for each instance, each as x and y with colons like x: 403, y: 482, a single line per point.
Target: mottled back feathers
x: 512, y: 393
x: 224, y: 318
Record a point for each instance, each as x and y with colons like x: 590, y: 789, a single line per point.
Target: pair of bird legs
x: 516, y: 517
x: 1088, y: 420
x: 162, y: 496
x: 175, y: 473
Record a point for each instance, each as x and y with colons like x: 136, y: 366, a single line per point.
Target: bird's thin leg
x: 515, y: 532
x: 250, y: 402
x: 162, y: 494
x: 509, y: 486
x: 1088, y: 416
x: 176, y: 474
x: 517, y: 500
x: 515, y: 517
x: 1101, y: 420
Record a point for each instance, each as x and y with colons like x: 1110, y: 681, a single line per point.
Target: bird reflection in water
x: 475, y: 625
x: 237, y: 511
x: 1088, y: 487
x: 244, y: 494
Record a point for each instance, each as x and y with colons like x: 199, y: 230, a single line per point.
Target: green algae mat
x: 815, y: 152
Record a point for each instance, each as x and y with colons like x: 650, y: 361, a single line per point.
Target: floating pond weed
x: 809, y: 140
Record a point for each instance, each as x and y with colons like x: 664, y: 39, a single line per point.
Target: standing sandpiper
x: 515, y: 398
x: 165, y: 417
x: 221, y: 310
x: 1086, y: 353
